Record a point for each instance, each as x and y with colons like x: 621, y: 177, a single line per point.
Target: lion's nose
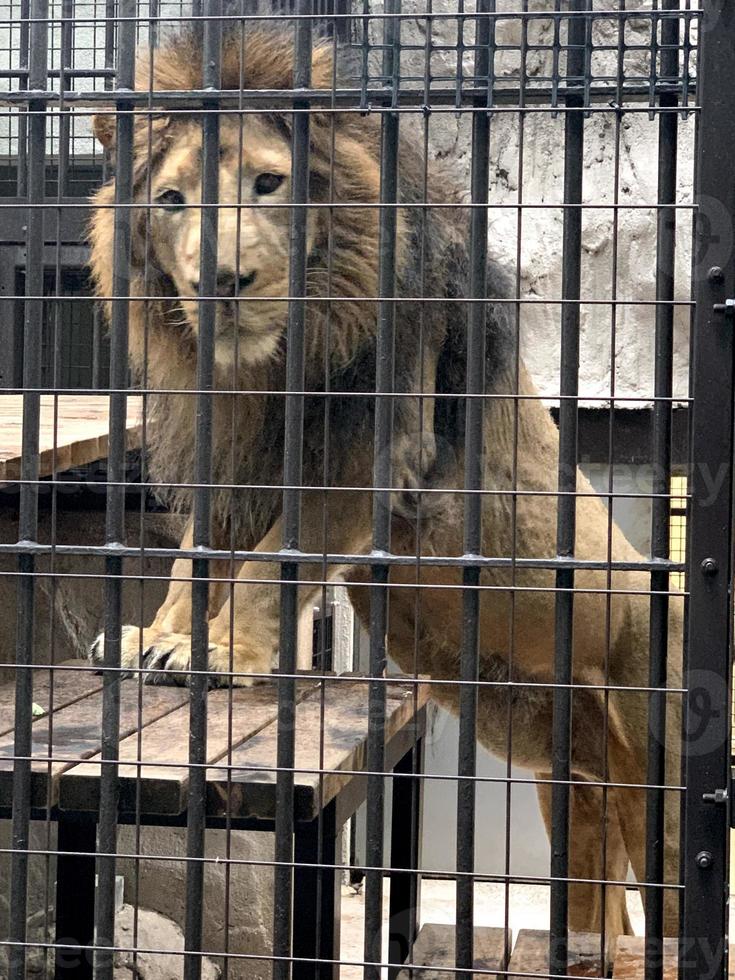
x: 227, y: 283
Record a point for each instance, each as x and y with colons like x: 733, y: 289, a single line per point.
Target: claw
x: 215, y: 681
x: 153, y: 657
x: 155, y: 662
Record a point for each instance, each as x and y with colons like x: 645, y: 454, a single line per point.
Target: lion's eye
x: 171, y: 200
x: 267, y: 183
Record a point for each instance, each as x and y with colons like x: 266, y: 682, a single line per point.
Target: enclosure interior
x: 486, y: 217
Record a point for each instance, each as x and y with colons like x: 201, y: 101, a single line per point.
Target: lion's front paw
x: 170, y: 663
x: 166, y: 659
x: 131, y: 645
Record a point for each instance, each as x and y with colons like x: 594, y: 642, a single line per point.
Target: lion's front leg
x: 169, y: 633
x: 243, y: 643
x: 244, y: 635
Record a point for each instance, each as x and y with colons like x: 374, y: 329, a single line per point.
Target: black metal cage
x: 359, y: 358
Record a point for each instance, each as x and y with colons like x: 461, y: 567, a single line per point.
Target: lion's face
x: 253, y: 239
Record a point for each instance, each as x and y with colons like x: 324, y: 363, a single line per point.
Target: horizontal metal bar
x: 413, y: 300
x: 343, y: 100
x: 59, y: 72
x: 315, y: 557
x: 289, y: 17
x: 83, y: 205
x: 479, y: 876
x: 607, y: 401
x: 269, y: 958
x: 142, y: 764
x: 62, y: 485
x: 315, y: 676
x: 325, y: 582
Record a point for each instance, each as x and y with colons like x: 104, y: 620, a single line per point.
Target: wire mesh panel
x: 366, y: 469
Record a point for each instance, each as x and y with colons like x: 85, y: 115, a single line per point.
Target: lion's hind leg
x: 597, y: 853
x: 627, y: 765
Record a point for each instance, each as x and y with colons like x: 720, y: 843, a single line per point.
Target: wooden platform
x: 629, y: 959
x: 435, y: 947
x: 73, y: 432
x: 531, y: 954
x: 241, y: 751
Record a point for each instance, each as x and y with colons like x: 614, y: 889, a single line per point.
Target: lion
x: 517, y: 605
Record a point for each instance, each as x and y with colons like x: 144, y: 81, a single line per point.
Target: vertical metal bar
x: 75, y: 895
x: 604, y: 843
x: 703, y: 950
x: 474, y: 456
x: 21, y: 179
x: 317, y: 931
x: 567, y: 483
x: 382, y: 469
x: 28, y: 522
x: 198, y: 681
x: 660, y: 506
x: 405, y: 845
x: 98, y: 328
x: 516, y: 366
x: 115, y: 523
x: 292, y: 475
x: 67, y: 47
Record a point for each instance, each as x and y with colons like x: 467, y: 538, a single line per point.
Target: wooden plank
x: 435, y: 947
x: 72, y: 433
x: 531, y: 954
x: 63, y: 738
x: 630, y: 959
x: 156, y: 767
x: 246, y: 788
x: 72, y: 681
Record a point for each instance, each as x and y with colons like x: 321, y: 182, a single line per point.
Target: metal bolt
x: 728, y: 307
x: 719, y: 796
x: 716, y: 275
x: 704, y: 859
x: 709, y: 566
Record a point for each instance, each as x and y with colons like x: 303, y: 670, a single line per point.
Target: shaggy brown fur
x: 516, y: 606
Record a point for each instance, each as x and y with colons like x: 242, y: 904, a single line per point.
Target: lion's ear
x: 104, y: 129
x: 322, y: 66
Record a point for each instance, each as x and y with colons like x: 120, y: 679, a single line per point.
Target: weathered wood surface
x: 65, y: 737
x: 72, y: 433
x: 53, y: 689
x: 331, y: 745
x: 531, y: 954
x: 435, y: 947
x: 331, y: 736
x: 155, y: 759
x: 630, y: 959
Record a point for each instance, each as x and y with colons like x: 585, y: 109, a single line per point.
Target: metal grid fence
x: 338, y: 343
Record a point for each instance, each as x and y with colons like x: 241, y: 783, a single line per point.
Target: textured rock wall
x: 625, y: 143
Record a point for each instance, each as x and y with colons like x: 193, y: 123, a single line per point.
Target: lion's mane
x: 432, y: 260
